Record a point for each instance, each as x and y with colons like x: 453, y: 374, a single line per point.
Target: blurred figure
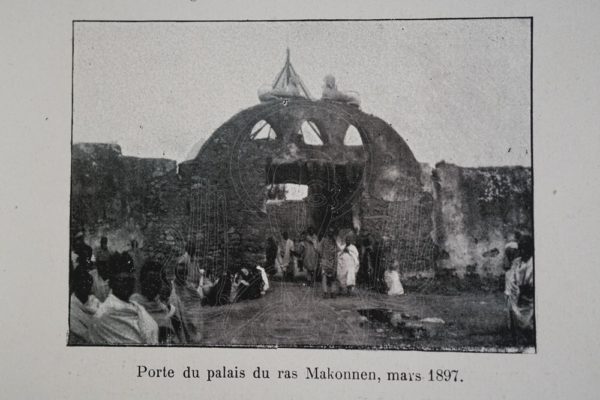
x: 250, y: 284
x: 328, y: 263
x: 521, y: 297
x: 102, y: 253
x: 149, y: 298
x: 331, y: 92
x: 83, y: 307
x: 82, y: 253
x: 348, y: 266
x: 218, y: 293
x: 138, y: 261
x: 100, y: 275
x: 285, y: 255
x: 187, y: 299
x: 271, y: 255
x: 366, y: 271
x: 392, y: 280
x: 311, y: 255
x: 118, y: 320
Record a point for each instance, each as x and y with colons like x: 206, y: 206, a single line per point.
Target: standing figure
x: 187, y: 299
x: 138, y: 261
x: 328, y: 263
x: 522, y: 293
x: 102, y: 253
x: 348, y: 266
x: 286, y: 260
x: 366, y: 272
x: 271, y: 255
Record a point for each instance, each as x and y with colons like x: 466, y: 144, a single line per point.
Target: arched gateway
x: 373, y: 186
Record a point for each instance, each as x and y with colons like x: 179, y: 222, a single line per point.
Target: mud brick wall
x: 475, y: 210
x: 117, y: 196
x: 403, y: 228
x: 423, y: 219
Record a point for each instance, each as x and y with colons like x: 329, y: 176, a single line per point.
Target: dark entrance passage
x: 333, y: 190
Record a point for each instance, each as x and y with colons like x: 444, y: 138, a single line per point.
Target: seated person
x: 83, y: 307
x: 150, y: 286
x: 265, y: 279
x: 331, y: 92
x: 219, y: 292
x: 392, y: 280
x: 187, y: 300
x: 100, y: 274
x: 118, y: 320
x: 250, y: 284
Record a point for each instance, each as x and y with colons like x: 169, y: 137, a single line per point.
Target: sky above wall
x: 456, y: 90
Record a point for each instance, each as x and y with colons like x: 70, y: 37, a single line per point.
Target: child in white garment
x: 392, y: 280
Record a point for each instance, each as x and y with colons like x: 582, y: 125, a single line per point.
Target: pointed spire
x: 289, y: 81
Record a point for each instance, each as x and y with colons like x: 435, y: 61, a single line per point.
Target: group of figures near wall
x: 339, y: 261
x: 123, y: 298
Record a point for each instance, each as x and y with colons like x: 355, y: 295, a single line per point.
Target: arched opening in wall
x: 352, y: 137
x: 286, y: 208
x: 310, y: 134
x: 286, y: 192
x: 262, y: 130
x: 327, y: 195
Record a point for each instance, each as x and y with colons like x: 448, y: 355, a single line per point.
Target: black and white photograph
x: 318, y: 184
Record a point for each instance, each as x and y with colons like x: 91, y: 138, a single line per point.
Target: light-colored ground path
x: 293, y: 315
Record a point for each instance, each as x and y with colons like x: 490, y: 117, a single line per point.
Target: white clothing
x: 264, y: 277
x: 120, y: 322
x: 81, y: 314
x: 348, y: 266
x: 392, y: 282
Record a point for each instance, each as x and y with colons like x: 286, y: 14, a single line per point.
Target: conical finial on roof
x: 288, y: 80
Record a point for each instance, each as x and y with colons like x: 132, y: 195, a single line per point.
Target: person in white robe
x: 265, y: 279
x: 118, y: 320
x: 348, y: 265
x: 83, y: 306
x: 285, y: 256
x: 392, y: 280
x: 521, y: 292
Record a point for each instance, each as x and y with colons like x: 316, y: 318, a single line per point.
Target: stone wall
x: 475, y: 212
x: 456, y: 219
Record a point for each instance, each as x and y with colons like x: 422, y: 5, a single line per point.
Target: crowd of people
x: 120, y: 298
x: 339, y: 261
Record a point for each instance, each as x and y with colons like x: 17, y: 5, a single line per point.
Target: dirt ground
x: 294, y: 315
